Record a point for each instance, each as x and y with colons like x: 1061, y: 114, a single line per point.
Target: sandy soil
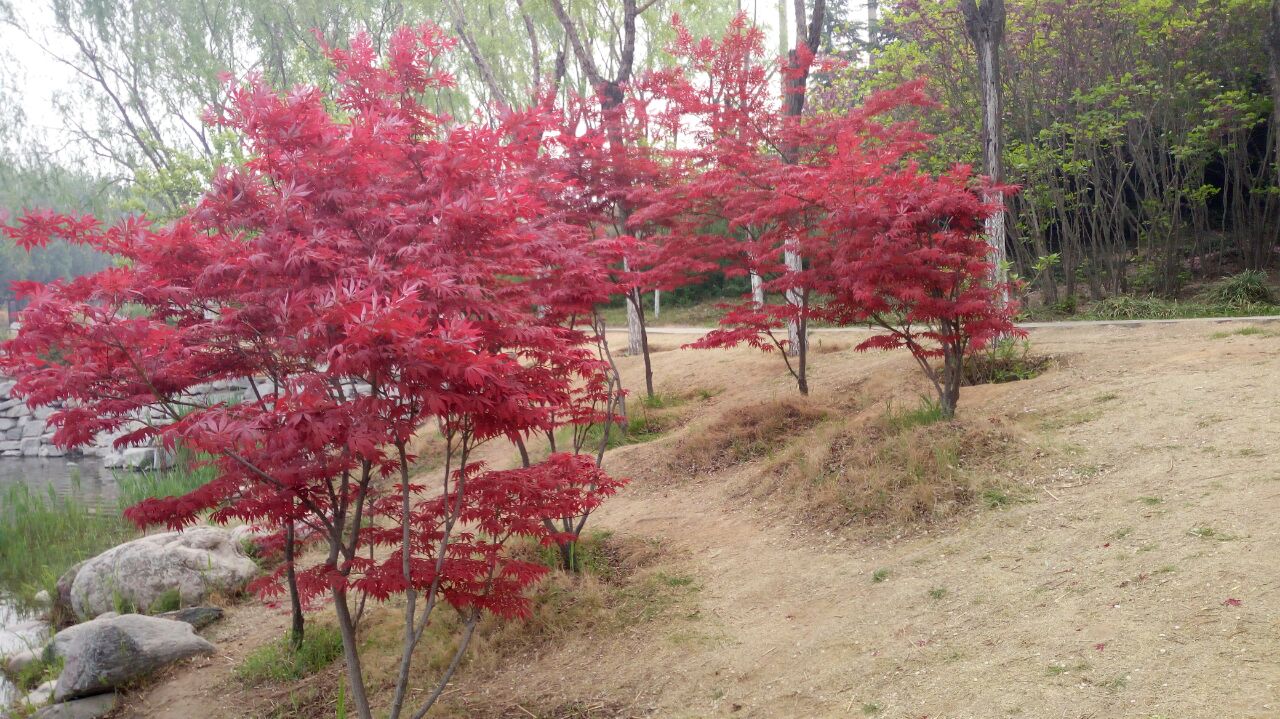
x: 1139, y: 580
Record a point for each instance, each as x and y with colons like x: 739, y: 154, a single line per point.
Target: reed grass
x: 42, y: 534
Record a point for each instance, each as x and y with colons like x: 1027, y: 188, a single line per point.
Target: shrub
x: 1241, y: 290
x: 744, y: 435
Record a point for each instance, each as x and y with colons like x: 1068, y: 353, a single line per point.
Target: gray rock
x: 30, y: 446
x: 62, y: 612
x: 40, y: 696
x: 33, y: 428
x: 49, y: 450
x: 195, y: 563
x: 13, y: 664
x: 197, y: 617
x: 7, y: 423
x: 93, y: 707
x: 103, y: 654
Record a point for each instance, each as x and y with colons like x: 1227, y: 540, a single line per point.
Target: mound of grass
x: 278, y: 662
x: 1242, y: 290
x: 899, y: 471
x: 745, y: 434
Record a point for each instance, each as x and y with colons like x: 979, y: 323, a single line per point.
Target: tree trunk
x: 807, y: 39
x: 757, y: 289
x: 350, y: 652
x: 297, y: 631
x: 985, y: 23
x: 635, y: 305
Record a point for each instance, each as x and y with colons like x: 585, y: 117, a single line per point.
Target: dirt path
x: 1138, y: 580
x: 1108, y: 595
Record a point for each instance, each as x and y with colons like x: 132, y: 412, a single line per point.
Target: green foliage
x: 46, y: 667
x: 279, y: 662
x: 1128, y: 307
x: 169, y: 601
x: 43, y: 534
x: 879, y: 575
x: 1006, y: 360
x: 1243, y: 290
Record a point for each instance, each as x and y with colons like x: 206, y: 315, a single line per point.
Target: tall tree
x: 984, y: 22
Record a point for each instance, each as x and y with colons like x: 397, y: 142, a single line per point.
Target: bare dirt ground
x: 1136, y: 579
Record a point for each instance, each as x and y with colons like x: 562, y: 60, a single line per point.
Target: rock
x: 30, y: 446
x: 40, y: 695
x: 62, y: 613
x: 13, y: 664
x: 103, y: 654
x: 49, y: 450
x: 194, y: 562
x: 198, y: 617
x: 33, y: 428
x: 43, y: 598
x: 91, y: 708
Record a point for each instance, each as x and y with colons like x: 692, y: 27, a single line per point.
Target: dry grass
x: 881, y: 471
x: 745, y: 434
x: 625, y: 585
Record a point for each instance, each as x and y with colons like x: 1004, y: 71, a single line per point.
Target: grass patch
x: 879, y: 575
x: 1129, y: 307
x: 1241, y: 332
x: 169, y: 601
x: 929, y: 412
x: 1007, y: 360
x: 1212, y: 534
x: 278, y: 662
x: 1246, y: 289
x: 745, y: 434
x: 896, y: 470
x: 937, y: 593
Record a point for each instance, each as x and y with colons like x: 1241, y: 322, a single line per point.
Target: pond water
x: 85, y: 479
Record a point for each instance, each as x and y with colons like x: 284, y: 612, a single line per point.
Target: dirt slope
x: 1106, y: 594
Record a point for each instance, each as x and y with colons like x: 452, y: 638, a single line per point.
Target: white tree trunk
x: 794, y: 298
x: 757, y: 289
x: 657, y: 303
x: 633, y: 320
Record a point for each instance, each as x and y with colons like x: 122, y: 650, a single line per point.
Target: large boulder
x: 93, y: 707
x: 103, y: 654
x: 194, y: 563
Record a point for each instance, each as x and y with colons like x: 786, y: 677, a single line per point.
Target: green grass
x: 42, y: 534
x: 277, y: 662
x: 879, y: 575
x: 937, y: 593
x: 169, y: 601
x: 929, y: 412
x: 1242, y: 332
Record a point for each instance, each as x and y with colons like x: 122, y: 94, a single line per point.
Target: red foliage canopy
x: 385, y: 272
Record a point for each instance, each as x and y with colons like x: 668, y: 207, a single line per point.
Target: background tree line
x: 1141, y: 134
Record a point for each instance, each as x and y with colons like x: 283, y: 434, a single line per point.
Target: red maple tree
x: 884, y: 243
x: 389, y: 275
